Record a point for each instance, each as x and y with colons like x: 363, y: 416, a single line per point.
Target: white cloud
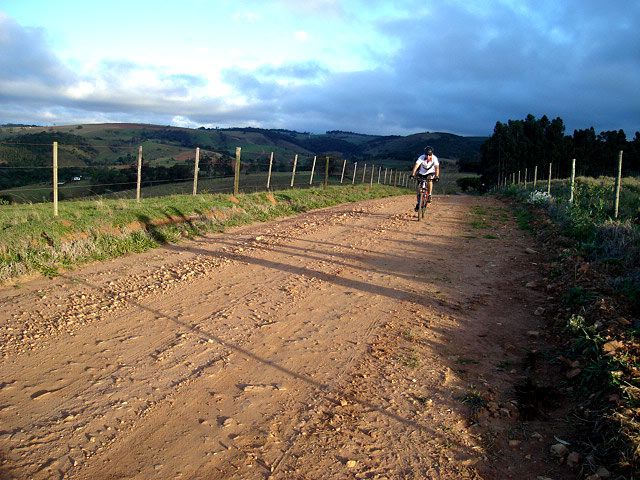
x: 301, y: 36
x: 246, y: 16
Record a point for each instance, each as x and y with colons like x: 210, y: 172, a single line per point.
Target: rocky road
x: 348, y: 342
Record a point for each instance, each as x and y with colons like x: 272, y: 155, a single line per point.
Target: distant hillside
x: 116, y: 144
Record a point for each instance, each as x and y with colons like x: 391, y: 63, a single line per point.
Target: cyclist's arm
x: 415, y: 169
x: 437, y: 170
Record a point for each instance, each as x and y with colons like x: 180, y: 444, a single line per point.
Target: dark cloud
x: 25, y: 58
x: 294, y: 70
x: 462, y: 71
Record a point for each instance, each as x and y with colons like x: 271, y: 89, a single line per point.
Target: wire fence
x: 35, y: 173
x: 606, y: 193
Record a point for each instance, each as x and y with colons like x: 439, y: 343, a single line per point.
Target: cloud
x: 460, y: 70
x: 443, y: 66
x: 301, y: 36
x: 25, y: 57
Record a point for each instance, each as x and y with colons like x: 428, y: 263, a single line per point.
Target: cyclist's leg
x: 429, y: 189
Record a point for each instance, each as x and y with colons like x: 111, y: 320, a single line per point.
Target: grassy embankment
x: 594, y: 281
x: 34, y: 241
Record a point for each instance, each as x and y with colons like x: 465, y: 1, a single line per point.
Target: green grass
x: 483, y: 218
x: 474, y: 400
x: 33, y: 240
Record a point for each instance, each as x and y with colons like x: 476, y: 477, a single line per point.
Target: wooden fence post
x: 618, y: 185
x: 573, y: 179
x: 344, y: 165
x: 379, y: 173
x: 549, y: 181
x: 326, y: 173
x: 373, y: 169
x: 236, y: 178
x: 54, y: 180
x: 525, y: 177
x: 270, y: 167
x: 364, y: 171
x: 355, y: 167
x: 535, y: 177
x: 518, y: 177
x: 293, y: 172
x: 139, y: 180
x: 196, y: 168
x: 385, y: 175
x: 313, y: 168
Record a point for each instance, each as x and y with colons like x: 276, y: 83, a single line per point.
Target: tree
x: 532, y: 142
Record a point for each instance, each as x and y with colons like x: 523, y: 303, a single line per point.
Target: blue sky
x: 381, y: 67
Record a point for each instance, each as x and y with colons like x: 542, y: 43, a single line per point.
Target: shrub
x: 619, y: 240
x: 470, y: 183
x: 539, y: 198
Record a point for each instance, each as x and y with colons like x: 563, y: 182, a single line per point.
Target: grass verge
x: 593, y: 285
x: 34, y: 241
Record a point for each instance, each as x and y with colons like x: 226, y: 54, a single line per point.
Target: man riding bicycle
x: 427, y: 168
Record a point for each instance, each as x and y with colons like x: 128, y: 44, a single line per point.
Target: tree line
x: 524, y: 144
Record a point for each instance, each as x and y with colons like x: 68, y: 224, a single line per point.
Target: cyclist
x: 427, y: 167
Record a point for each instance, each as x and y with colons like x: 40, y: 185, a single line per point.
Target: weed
x: 408, y: 335
x: 577, y: 297
x: 474, y: 400
x: 467, y: 361
x: 478, y: 210
x: 524, y: 219
x: 504, y: 365
x: 411, y: 360
x: 49, y: 271
x: 480, y: 224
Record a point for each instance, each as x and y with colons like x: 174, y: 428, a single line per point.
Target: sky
x: 392, y: 67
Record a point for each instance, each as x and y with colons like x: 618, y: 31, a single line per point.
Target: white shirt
x: 426, y: 166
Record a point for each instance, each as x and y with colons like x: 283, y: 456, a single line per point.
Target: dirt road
x: 351, y: 342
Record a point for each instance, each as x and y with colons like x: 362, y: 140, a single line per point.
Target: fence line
x: 143, y: 173
x: 572, y: 182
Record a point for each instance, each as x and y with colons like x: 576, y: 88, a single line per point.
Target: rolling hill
x: 102, y: 158
x: 104, y: 144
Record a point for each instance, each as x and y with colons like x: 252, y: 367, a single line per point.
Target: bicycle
x: 422, y: 189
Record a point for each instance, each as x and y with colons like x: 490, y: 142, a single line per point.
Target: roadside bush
x: 540, y: 199
x: 470, y: 183
x: 619, y: 240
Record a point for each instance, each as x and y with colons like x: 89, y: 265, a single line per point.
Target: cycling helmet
x: 428, y: 150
